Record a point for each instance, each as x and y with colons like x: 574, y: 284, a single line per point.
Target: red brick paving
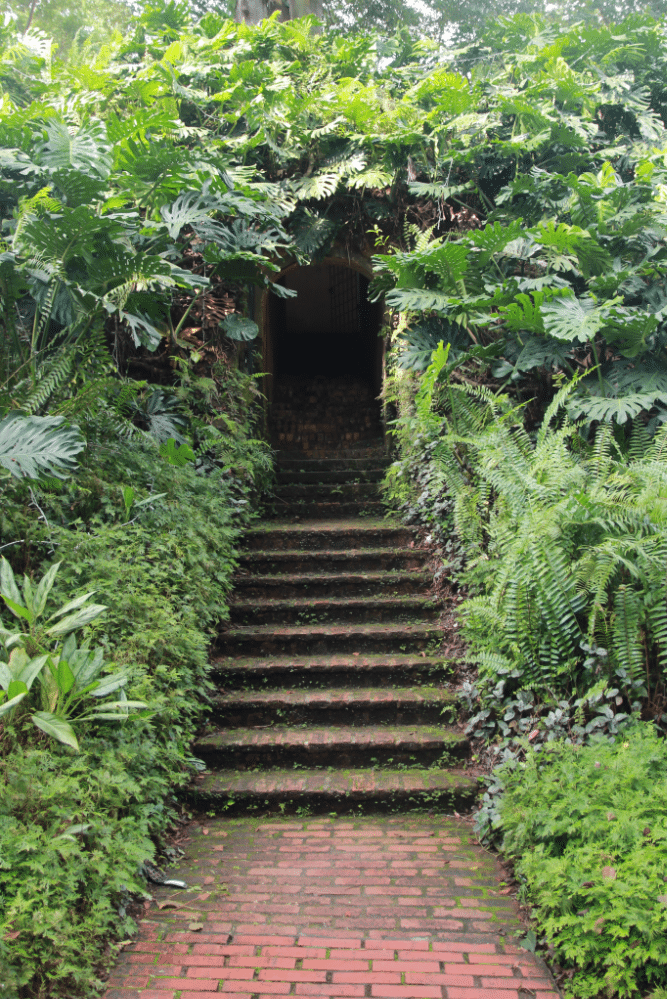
x: 332, y: 908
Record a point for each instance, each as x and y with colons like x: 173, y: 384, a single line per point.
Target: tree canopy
x: 516, y: 186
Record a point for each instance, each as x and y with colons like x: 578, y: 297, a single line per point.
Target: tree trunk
x: 255, y: 11
x: 32, y: 11
x: 251, y: 11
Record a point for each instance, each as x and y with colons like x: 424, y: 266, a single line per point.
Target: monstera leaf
x: 239, y: 327
x: 33, y: 447
x: 567, y: 318
x: 86, y: 149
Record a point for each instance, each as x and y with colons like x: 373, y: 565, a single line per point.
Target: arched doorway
x: 324, y: 356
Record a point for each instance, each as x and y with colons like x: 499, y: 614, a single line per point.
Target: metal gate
x: 345, y: 290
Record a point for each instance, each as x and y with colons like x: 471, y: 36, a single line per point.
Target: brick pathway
x: 369, y: 907
x: 335, y: 698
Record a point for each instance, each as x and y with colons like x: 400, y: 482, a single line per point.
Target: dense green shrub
x: 74, y: 828
x: 588, y: 827
x: 564, y: 539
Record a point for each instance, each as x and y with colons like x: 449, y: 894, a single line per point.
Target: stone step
x: 356, y: 450
x: 331, y: 746
x: 330, y: 584
x: 321, y: 639
x: 370, y: 475
x: 354, y: 427
x: 336, y: 707
x: 336, y: 791
x: 325, y: 511
x: 297, y: 463
x: 350, y: 671
x: 333, y: 609
x: 334, y: 561
x: 326, y: 537
x: 309, y: 439
x: 329, y: 491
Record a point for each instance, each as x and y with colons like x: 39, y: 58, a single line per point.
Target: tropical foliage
x: 560, y: 183
x: 512, y: 191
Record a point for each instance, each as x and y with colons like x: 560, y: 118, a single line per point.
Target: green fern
x: 627, y: 624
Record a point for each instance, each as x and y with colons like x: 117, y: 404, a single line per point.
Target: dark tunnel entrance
x: 330, y: 329
x: 326, y: 359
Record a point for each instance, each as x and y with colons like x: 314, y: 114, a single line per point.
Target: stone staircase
x: 332, y: 695
x: 314, y: 417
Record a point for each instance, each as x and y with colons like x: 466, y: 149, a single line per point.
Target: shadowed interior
x: 329, y: 329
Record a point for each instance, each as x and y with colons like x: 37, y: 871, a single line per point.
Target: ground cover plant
x: 586, y: 825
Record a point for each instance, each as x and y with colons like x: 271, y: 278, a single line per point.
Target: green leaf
x: 541, y: 352
x: 143, y: 332
x: 57, y: 727
x: 494, y: 238
x: 71, y: 605
x: 28, y: 596
x: 571, y: 319
x: 605, y: 408
x: 34, y: 447
x: 44, y: 588
x: 128, y: 499
x: 120, y: 706
x: 17, y: 609
x: 109, y: 684
x: 64, y: 677
x: 78, y: 620
x: 8, y: 587
x: 85, y: 149
x: 176, y: 456
x: 16, y: 688
x: 439, y: 191
x: 12, y: 703
x: 315, y: 187
x: 525, y: 313
x: 85, y: 665
x: 239, y: 327
x: 25, y: 669
x: 529, y: 942
x: 417, y: 300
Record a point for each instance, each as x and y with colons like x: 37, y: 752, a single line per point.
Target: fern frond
x: 627, y: 648
x: 52, y: 374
